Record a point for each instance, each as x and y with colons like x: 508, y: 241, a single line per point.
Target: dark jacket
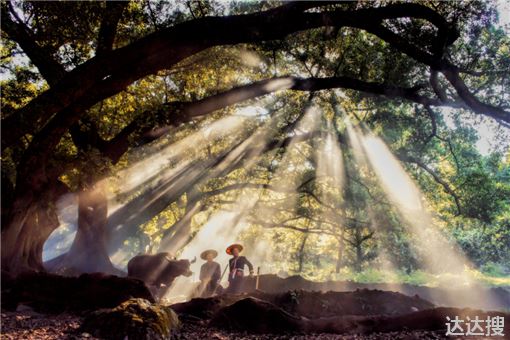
x: 236, y: 265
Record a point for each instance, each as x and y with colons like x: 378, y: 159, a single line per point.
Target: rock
x: 136, y: 319
x: 256, y: 316
x: 24, y: 309
x: 53, y: 293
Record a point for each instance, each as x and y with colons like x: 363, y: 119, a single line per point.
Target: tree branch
x: 176, y: 113
x: 110, y: 73
x: 439, y: 180
x: 435, y: 86
x: 108, y: 28
x: 49, y: 68
x: 452, y: 74
x: 156, y: 199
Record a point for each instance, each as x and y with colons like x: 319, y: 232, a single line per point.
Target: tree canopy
x: 202, y: 103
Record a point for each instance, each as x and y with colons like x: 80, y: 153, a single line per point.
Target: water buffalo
x: 158, y: 269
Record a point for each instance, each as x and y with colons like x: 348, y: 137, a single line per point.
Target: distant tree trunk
x: 301, y: 253
x: 358, y: 243
x: 359, y: 257
x: 178, y: 235
x: 340, y: 254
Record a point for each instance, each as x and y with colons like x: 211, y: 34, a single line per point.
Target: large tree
x: 89, y: 55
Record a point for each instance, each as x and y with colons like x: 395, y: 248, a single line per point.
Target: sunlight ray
x: 226, y: 226
x: 152, y: 166
x: 329, y: 159
x: 439, y: 254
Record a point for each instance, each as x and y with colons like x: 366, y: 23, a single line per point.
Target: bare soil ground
x: 291, y: 308
x: 33, y: 326
x: 199, y: 331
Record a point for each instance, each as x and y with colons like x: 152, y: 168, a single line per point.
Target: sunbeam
x: 438, y: 254
x: 330, y: 159
x: 154, y: 165
x: 351, y: 176
x: 226, y: 226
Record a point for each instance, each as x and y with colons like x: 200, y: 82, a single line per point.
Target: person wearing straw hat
x: 236, y: 268
x: 210, y: 273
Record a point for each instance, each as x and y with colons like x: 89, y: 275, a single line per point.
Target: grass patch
x: 422, y: 278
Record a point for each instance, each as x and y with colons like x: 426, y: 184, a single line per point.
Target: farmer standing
x: 210, y: 273
x: 236, y: 268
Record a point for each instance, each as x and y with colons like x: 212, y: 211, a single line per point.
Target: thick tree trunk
x: 12, y: 228
x: 88, y: 252
x: 47, y: 222
x: 28, y: 226
x: 17, y: 240
x: 7, y: 197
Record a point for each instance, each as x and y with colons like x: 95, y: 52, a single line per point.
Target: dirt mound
x: 53, y: 293
x: 460, y: 297
x: 257, y: 316
x: 359, y: 302
x: 314, y: 304
x: 302, y: 312
x: 205, y: 308
x: 428, y: 320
